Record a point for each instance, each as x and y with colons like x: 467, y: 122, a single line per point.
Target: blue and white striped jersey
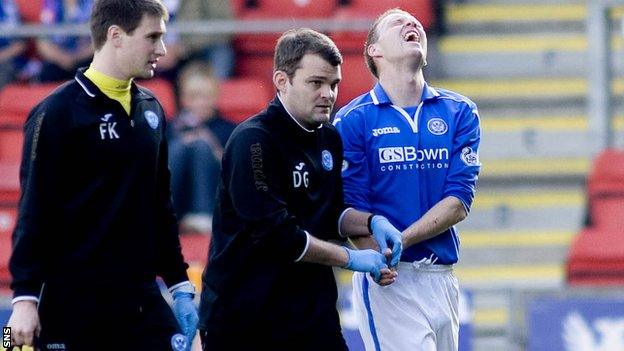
x: 399, y: 162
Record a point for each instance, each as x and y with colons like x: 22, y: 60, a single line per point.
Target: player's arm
x: 459, y: 187
x: 171, y: 266
x: 368, y: 261
x: 258, y: 190
x: 40, y: 157
x: 439, y: 218
x: 365, y: 228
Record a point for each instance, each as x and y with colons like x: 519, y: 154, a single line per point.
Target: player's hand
x: 384, y: 234
x: 368, y: 261
x: 186, y: 314
x: 24, y: 323
x: 388, y: 276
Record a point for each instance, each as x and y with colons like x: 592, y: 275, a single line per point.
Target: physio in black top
x: 269, y: 283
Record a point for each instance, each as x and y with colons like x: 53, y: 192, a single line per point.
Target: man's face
x: 199, y: 95
x: 311, y: 92
x: 401, y: 37
x: 140, y: 51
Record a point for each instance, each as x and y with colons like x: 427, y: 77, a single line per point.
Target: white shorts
x: 419, y: 311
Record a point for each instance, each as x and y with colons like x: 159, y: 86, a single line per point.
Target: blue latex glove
x: 367, y: 261
x: 186, y: 314
x: 385, y: 233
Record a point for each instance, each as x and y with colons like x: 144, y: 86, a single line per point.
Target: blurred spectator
x: 10, y: 49
x: 62, y: 54
x: 196, y: 140
x: 216, y: 50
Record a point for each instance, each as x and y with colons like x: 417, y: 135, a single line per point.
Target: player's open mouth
x: 411, y: 37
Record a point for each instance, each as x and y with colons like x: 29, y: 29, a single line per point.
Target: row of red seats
x: 30, y: 10
x: 596, y: 256
x: 321, y: 9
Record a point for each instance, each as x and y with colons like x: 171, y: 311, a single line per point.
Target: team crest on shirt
x: 437, y: 126
x: 469, y: 156
x: 327, y: 160
x: 152, y: 119
x: 179, y: 342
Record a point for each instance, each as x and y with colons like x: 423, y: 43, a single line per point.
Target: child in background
x: 197, y: 137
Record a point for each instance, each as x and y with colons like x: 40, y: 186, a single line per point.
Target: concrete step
x: 519, y: 55
x: 519, y: 91
x: 526, y: 209
x: 519, y: 16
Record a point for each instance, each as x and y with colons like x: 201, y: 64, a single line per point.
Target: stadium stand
x: 277, y: 10
x: 165, y: 93
x: 16, y: 101
x: 356, y: 79
x: 7, y: 223
x: 195, y: 248
x: 240, y: 98
x: 10, y: 155
x: 30, y: 10
x: 256, y: 65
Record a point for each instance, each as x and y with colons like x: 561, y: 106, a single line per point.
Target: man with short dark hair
x: 269, y: 284
x: 95, y: 224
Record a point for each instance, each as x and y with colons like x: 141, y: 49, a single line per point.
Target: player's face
x: 401, y: 37
x: 141, y: 50
x: 311, y: 93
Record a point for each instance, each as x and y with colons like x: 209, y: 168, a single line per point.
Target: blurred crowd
x: 194, y: 65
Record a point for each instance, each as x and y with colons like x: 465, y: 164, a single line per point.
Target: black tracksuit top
x: 95, y: 204
x: 277, y: 182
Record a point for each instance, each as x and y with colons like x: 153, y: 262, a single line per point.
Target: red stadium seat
x: 605, y: 189
x: 9, y: 184
x: 354, y: 41
x: 17, y: 100
x: 278, y: 10
x: 8, y: 217
x: 356, y: 79
x: 607, y: 174
x: 195, y: 248
x: 10, y: 157
x: 164, y: 92
x: 596, y: 258
x: 5, y: 254
x: 242, y: 98
x: 30, y: 10
x: 252, y: 65
x: 11, y: 142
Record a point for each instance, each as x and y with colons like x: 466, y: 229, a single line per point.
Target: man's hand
x: 186, y: 314
x: 370, y: 261
x: 24, y: 323
x: 385, y: 233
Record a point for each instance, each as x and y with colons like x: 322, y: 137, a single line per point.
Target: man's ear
x: 115, y: 35
x: 373, y: 51
x: 280, y: 78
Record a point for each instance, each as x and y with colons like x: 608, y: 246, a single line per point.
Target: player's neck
x: 403, y: 88
x: 104, y: 61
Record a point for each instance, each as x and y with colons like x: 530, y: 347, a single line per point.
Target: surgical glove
x: 186, y: 314
x: 385, y: 233
x: 369, y: 261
